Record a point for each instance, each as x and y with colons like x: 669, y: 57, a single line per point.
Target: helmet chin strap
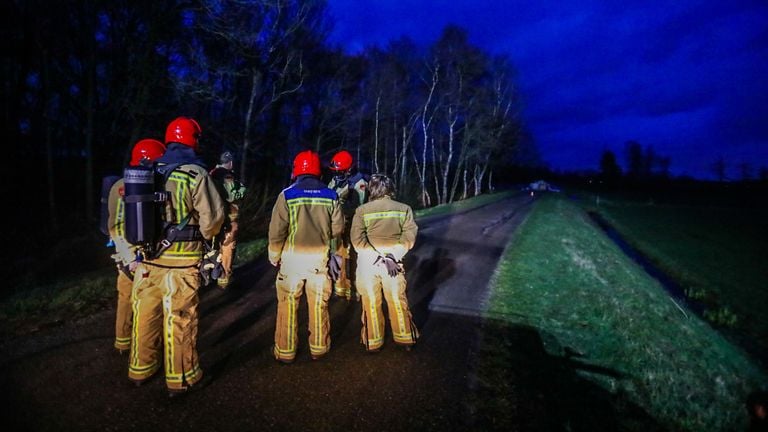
x: 341, y: 177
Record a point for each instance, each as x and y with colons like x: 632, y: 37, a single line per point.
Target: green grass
x: 716, y: 253
x: 581, y: 313
x: 37, y: 306
x: 250, y: 250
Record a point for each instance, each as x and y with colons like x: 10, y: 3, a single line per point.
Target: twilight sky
x: 688, y: 77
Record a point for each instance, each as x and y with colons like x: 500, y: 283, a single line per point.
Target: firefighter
x: 305, y: 218
x: 383, y: 231
x: 144, y: 152
x: 164, y: 295
x: 233, y: 192
x: 352, y: 191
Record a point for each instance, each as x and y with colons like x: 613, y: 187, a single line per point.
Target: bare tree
x: 253, y: 45
x: 719, y: 169
x: 428, y: 111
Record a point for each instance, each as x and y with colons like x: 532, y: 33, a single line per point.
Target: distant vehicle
x: 541, y: 186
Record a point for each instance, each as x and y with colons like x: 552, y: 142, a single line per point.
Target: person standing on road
x: 232, y: 191
x: 352, y: 191
x: 383, y: 231
x: 144, y: 152
x: 305, y: 218
x: 165, y: 297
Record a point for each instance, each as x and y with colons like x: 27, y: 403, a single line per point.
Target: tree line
x: 84, y: 80
x: 644, y: 163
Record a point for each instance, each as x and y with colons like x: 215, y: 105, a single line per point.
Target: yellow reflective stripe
x: 122, y: 342
x: 375, y: 318
x: 317, y: 349
x: 144, y: 370
x: 403, y: 337
x: 293, y: 206
x: 136, y: 306
x: 292, y: 227
x: 168, y: 324
x: 394, y: 214
x: 282, y: 351
x: 291, y: 323
x: 192, y: 373
x: 183, y: 254
x: 184, y: 176
x: 120, y: 218
x: 183, y: 182
x: 188, y: 375
x: 310, y: 201
x: 318, y: 322
x: 398, y: 309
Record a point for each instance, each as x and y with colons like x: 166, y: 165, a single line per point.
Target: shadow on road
x: 425, y: 277
x: 527, y: 381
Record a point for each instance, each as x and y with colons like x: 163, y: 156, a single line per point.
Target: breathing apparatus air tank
x: 142, y: 209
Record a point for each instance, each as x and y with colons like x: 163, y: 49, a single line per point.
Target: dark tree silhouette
x: 610, y: 171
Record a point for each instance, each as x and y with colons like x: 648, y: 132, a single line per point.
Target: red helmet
x: 342, y: 161
x: 183, y: 130
x: 306, y: 162
x: 146, y: 149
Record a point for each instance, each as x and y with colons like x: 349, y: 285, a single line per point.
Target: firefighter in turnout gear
x: 144, y: 152
x: 232, y: 191
x: 305, y: 218
x: 164, y: 295
x: 352, y: 191
x: 383, y: 231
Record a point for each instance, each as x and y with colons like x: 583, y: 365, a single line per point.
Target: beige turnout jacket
x: 383, y: 226
x: 305, y: 218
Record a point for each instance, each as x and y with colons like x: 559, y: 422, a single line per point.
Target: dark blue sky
x: 688, y: 77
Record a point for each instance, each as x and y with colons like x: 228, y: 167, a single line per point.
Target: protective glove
x: 334, y: 266
x: 390, y: 263
x: 208, y: 264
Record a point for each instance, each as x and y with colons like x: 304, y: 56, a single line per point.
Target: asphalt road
x: 70, y: 377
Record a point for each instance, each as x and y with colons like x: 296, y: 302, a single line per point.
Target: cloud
x: 686, y: 77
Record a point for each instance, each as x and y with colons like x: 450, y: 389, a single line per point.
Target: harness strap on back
x: 153, y: 197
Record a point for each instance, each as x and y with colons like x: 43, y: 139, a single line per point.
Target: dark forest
x: 84, y: 80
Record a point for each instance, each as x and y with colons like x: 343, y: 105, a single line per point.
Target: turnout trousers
x: 373, y: 283
x: 124, y: 313
x: 343, y: 286
x: 290, y: 287
x: 227, y: 251
x: 165, y: 325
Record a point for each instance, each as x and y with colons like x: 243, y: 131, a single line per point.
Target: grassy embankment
x: 580, y: 331
x: 37, y: 306
x: 717, y: 254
